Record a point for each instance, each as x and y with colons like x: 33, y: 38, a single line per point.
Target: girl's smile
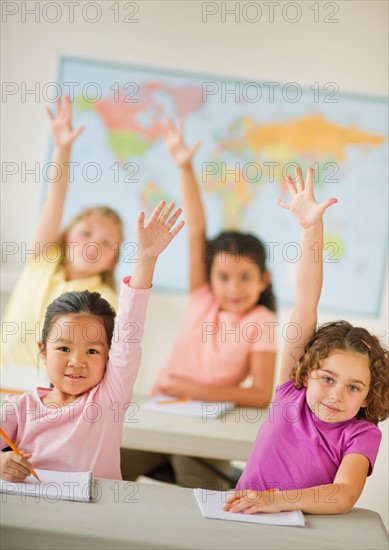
x: 338, y: 389
x: 75, y: 355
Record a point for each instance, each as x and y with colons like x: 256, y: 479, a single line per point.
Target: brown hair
x: 107, y: 276
x: 341, y: 335
x: 247, y: 246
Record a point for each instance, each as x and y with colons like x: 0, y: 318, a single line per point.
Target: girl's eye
x: 223, y: 277
x: 245, y: 277
x: 106, y: 244
x: 92, y: 351
x: 354, y: 388
x: 327, y: 379
x: 64, y: 349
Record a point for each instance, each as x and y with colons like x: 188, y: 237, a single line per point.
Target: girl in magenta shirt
x: 77, y: 423
x: 320, y: 440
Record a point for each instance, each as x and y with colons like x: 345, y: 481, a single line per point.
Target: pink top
x: 294, y: 449
x: 86, y: 434
x: 214, y: 346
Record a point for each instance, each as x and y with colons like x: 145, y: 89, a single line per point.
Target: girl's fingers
x: 157, y: 210
x: 177, y: 229
x: 326, y: 204
x: 283, y: 204
x: 48, y: 111
x: 180, y: 125
x: 309, y: 180
x: 166, y: 213
x: 299, y: 180
x: 196, y: 146
x: 140, y: 221
x: 76, y: 133
x: 59, y: 105
x: 169, y: 224
x: 291, y: 186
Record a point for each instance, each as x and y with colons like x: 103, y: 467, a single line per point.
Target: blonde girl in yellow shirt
x: 81, y: 256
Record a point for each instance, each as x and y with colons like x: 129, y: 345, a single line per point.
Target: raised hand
x: 158, y: 232
x: 180, y: 153
x: 303, y: 205
x: 61, y: 124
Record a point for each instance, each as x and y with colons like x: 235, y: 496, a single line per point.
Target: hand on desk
x: 181, y: 387
x: 250, y: 502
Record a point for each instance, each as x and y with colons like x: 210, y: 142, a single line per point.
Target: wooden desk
x: 130, y: 515
x: 229, y: 437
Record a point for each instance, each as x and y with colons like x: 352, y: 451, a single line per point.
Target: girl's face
x: 91, y: 246
x: 237, y: 282
x: 75, y: 355
x: 339, y: 388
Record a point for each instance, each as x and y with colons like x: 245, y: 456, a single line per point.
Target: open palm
x: 158, y: 232
x: 61, y: 124
x: 303, y: 205
x: 174, y: 142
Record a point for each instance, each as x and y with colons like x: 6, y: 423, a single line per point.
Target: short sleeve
x: 365, y: 441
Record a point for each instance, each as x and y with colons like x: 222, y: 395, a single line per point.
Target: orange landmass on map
x: 311, y: 134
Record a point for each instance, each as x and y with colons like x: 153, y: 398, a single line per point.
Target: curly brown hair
x: 341, y: 335
x: 108, y: 276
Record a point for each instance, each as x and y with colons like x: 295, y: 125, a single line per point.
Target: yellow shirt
x: 42, y: 280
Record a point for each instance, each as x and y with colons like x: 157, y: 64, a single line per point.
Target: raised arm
x: 152, y: 239
x: 309, y: 269
x: 49, y: 222
x: 193, y: 207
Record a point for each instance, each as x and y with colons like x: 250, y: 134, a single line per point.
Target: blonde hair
x: 107, y: 277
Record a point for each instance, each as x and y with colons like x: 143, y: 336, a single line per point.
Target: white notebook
x: 211, y: 504
x: 185, y: 407
x: 53, y: 486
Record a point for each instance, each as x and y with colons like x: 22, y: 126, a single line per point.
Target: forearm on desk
x: 335, y: 498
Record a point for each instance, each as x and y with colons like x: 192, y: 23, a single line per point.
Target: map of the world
x: 253, y: 134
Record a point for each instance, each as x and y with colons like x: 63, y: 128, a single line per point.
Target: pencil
x: 16, y: 450
x: 171, y: 401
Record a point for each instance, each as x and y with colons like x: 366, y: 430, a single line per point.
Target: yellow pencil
x: 16, y: 450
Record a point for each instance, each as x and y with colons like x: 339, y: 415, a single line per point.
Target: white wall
x: 171, y: 34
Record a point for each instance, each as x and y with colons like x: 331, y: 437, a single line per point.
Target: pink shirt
x: 86, y: 434
x: 214, y: 346
x: 294, y: 449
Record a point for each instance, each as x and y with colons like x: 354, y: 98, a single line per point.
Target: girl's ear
x: 42, y: 351
x: 364, y: 404
x: 266, y: 280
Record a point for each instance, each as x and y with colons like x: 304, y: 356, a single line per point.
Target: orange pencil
x: 171, y: 401
x: 16, y: 450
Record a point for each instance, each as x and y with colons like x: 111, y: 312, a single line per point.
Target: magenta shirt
x: 294, y: 449
x: 86, y: 434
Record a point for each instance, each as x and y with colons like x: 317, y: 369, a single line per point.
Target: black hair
x: 80, y: 302
x: 247, y: 246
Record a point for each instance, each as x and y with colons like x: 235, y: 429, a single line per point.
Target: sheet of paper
x: 53, y: 486
x: 211, y: 505
x: 201, y: 409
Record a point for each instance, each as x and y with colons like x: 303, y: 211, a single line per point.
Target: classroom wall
x: 178, y: 35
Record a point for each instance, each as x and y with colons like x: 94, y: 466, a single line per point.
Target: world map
x: 247, y: 149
